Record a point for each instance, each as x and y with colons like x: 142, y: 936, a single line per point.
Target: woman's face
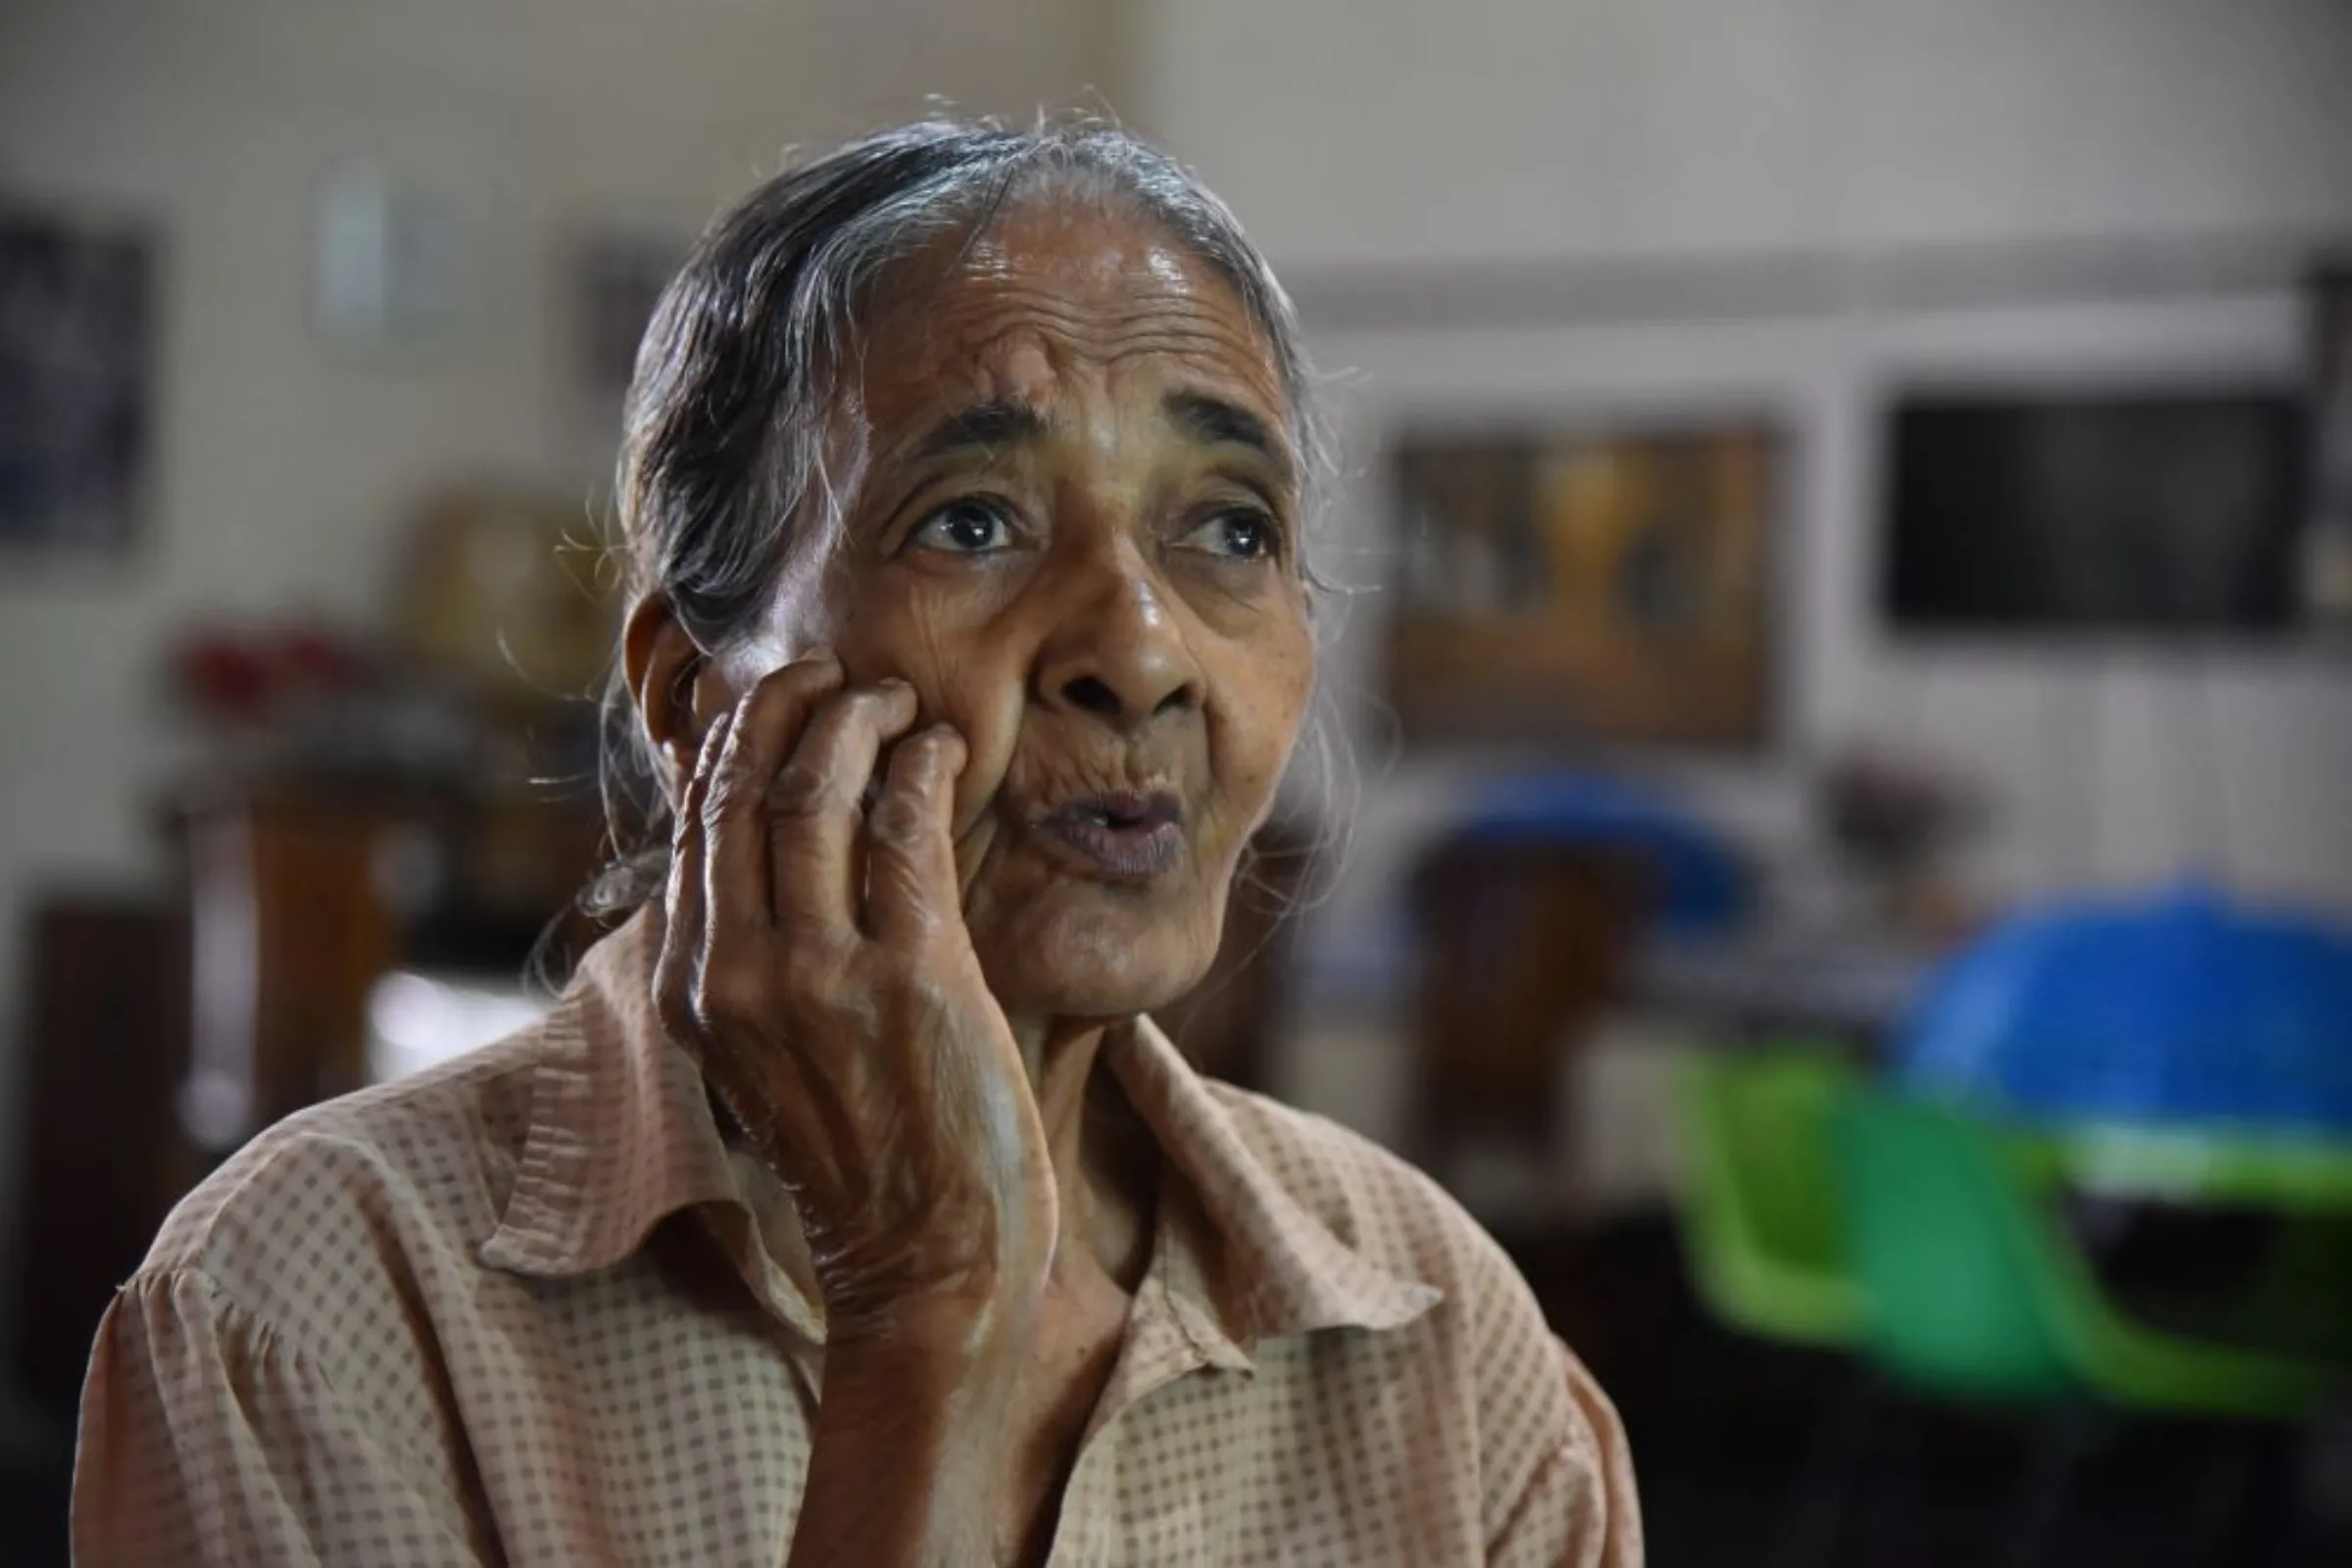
x: 1075, y: 532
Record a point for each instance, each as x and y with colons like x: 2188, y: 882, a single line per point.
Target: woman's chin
x: 1092, y: 964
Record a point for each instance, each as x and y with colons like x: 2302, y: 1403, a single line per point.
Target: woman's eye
x: 1241, y: 535
x: 966, y: 528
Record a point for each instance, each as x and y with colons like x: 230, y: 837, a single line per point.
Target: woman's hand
x: 816, y: 964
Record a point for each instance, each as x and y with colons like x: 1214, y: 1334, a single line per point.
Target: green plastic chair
x: 1760, y: 1225
x: 2300, y: 1296
x: 1975, y: 1292
x: 2285, y: 1173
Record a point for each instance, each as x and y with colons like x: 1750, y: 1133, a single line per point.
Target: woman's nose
x: 1117, y: 654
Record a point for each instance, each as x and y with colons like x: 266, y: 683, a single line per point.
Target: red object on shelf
x: 222, y: 676
x: 240, y: 676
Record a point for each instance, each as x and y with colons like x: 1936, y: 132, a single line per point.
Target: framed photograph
x: 396, y: 263
x: 2111, y: 510
x: 1587, y: 585
x: 617, y: 278
x: 2328, y: 540
x: 77, y: 385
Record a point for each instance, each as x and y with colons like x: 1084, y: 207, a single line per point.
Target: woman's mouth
x: 1131, y: 836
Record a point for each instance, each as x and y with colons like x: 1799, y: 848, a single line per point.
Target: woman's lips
x: 1133, y: 837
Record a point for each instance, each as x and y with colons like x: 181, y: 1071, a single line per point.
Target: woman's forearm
x: 908, y: 1459
x: 816, y: 965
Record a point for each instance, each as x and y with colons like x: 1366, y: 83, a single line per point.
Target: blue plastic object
x: 2181, y: 1008
x: 1703, y: 886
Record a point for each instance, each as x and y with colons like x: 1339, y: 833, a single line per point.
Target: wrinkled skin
x: 1086, y: 589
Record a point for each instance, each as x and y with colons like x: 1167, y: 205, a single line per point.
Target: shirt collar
x: 1236, y: 1243
x: 622, y: 1136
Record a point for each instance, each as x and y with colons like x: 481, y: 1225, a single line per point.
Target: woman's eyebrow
x: 1213, y: 422
x: 987, y: 426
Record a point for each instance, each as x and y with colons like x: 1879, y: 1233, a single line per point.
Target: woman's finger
x: 766, y: 725
x: 678, y: 969
x: 910, y: 882
x: 818, y: 807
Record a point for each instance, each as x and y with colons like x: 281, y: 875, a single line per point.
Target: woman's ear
x: 679, y: 688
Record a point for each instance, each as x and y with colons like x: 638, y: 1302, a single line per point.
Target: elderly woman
x: 848, y: 1208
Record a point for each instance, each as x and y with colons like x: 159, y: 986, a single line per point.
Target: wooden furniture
x: 289, y: 927
x: 302, y: 895
x: 1523, y: 944
x: 106, y: 980
x: 164, y: 1033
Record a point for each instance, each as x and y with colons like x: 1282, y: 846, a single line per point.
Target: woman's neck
x: 1105, y: 1179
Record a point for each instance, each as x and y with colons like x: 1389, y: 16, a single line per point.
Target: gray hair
x: 730, y: 471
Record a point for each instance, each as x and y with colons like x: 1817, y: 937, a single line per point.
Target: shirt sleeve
x: 1578, y: 1507
x: 208, y: 1438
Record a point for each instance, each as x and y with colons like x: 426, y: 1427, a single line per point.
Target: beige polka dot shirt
x: 527, y: 1309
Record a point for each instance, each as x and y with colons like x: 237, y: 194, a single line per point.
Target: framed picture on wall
x: 1600, y: 585
x: 2328, y: 541
x: 76, y: 384
x: 617, y: 278
x: 2112, y: 510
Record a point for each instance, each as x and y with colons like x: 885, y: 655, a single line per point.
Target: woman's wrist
x: 908, y: 1459
x: 948, y: 1362
x: 958, y: 1330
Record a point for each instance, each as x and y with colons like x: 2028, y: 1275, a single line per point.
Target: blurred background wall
x: 1786, y: 206
x: 1380, y: 130
x: 281, y: 469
